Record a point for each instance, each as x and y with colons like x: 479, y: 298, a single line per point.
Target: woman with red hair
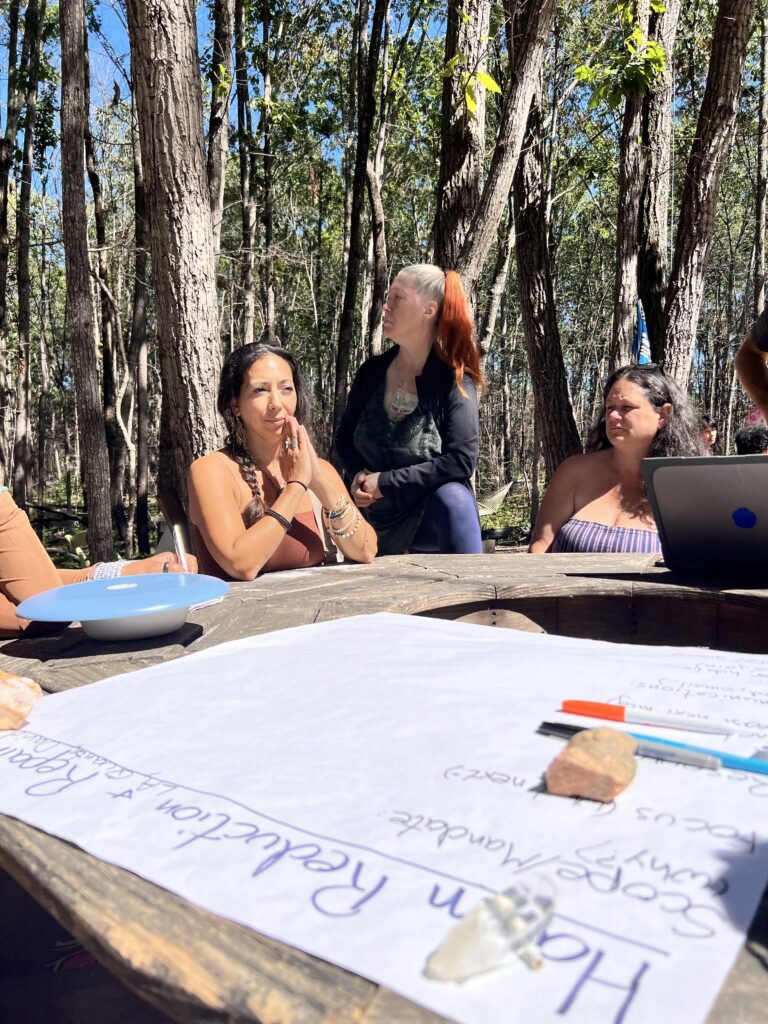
x: 408, y: 437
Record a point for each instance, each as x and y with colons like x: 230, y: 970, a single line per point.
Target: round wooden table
x: 195, y: 966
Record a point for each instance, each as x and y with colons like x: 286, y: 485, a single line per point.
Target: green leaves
x: 490, y: 83
x: 470, y: 80
x: 632, y: 68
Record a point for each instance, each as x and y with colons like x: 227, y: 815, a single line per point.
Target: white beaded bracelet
x: 108, y: 570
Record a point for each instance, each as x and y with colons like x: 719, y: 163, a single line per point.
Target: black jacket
x: 456, y: 417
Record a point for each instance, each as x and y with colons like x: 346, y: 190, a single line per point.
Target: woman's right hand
x: 295, y: 462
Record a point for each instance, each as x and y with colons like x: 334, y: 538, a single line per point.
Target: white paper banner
x: 353, y: 787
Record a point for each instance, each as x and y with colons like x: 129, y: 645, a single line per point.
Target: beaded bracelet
x: 349, y: 530
x: 341, y: 518
x: 337, y: 510
x: 285, y: 523
x: 346, y: 534
x: 107, y: 570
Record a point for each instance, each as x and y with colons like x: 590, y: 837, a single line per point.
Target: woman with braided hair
x: 408, y: 437
x: 260, y: 503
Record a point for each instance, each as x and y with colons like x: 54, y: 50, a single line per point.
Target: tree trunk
x: 762, y: 168
x: 80, y: 317
x: 702, y: 185
x: 367, y: 64
x: 462, y: 131
x: 498, y: 288
x: 22, y: 455
x: 44, y: 404
x: 530, y: 45
x: 220, y: 80
x: 633, y: 158
x: 17, y: 69
x: 374, y: 177
x: 380, y: 265
x: 653, y: 260
x: 115, y: 446
x: 555, y: 424
x: 244, y: 146
x: 7, y: 146
x: 170, y: 112
x: 268, y: 214
x: 137, y: 349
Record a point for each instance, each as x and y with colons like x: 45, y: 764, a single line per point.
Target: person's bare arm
x: 239, y: 551
x: 752, y: 368
x: 558, y: 505
x: 361, y: 544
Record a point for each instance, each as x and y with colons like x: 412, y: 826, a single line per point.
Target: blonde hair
x: 428, y: 280
x: 455, y: 342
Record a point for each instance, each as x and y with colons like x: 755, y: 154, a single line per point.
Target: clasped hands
x: 365, y: 488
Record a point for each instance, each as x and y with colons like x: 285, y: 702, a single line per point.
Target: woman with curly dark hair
x: 597, y: 502
x: 266, y: 501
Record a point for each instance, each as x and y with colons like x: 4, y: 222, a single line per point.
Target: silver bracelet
x: 108, y: 570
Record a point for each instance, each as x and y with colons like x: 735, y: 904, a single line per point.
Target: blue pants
x: 450, y: 524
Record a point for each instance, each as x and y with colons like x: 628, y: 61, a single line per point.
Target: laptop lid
x: 711, y: 512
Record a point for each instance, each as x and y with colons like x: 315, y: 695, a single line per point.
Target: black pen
x: 645, y: 748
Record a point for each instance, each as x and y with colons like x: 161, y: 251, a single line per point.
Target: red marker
x: 618, y: 713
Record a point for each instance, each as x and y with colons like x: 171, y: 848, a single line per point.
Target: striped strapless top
x: 585, y: 536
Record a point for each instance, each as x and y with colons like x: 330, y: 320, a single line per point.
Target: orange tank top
x: 301, y: 547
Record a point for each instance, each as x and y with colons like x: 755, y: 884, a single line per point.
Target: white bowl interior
x: 136, y: 627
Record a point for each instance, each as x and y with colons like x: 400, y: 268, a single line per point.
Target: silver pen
x: 178, y: 543
x: 676, y: 754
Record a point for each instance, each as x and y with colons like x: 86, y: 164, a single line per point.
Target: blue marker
x: 745, y: 764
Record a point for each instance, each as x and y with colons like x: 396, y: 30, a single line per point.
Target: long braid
x: 255, y: 508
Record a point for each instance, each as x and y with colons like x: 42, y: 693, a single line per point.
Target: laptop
x: 711, y: 512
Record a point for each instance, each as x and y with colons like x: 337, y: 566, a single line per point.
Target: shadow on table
x: 739, y: 874
x: 73, y: 643
x: 47, y: 977
x: 700, y: 581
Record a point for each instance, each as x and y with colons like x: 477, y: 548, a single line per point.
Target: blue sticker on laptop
x: 744, y: 518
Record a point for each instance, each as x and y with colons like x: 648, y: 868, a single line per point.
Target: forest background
x: 261, y: 170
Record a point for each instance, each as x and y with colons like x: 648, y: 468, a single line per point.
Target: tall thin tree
x: 536, y: 18
x: 701, y: 189
x: 22, y: 457
x: 367, y: 70
x: 633, y: 160
x: 80, y: 316
x: 462, y: 132
x: 220, y: 80
x: 169, y: 104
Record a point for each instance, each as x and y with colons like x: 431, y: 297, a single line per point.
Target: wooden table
x: 198, y: 967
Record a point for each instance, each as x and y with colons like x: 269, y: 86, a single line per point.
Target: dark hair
x: 752, y: 440
x: 679, y: 435
x: 710, y: 423
x: 236, y: 365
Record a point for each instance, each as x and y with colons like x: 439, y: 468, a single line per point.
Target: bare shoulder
x: 576, y: 465
x: 213, y: 465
